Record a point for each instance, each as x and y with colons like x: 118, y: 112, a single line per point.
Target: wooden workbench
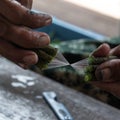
x: 22, y: 101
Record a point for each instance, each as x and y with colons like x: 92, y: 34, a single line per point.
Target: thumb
x: 102, y: 51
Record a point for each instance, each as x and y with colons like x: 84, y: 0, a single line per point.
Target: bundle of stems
x: 45, y: 56
x: 93, y: 63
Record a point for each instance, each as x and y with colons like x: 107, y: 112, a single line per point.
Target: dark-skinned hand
x: 16, y: 34
x: 108, y: 73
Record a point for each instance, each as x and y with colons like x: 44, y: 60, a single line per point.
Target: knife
x: 58, y: 61
x: 58, y: 108
x: 91, y: 61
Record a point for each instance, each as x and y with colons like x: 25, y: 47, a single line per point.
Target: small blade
x: 58, y: 61
x: 80, y: 65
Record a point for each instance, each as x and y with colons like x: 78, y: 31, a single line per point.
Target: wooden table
x: 21, y: 97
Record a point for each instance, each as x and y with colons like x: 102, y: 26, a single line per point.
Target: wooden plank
x: 15, y: 107
x: 21, y: 102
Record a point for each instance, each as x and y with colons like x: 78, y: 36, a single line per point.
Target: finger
x: 108, y: 71
x: 115, y: 51
x: 26, y: 3
x: 3, y: 28
x: 101, y: 51
x: 25, y: 37
x: 113, y: 88
x: 20, y: 15
x: 17, y: 55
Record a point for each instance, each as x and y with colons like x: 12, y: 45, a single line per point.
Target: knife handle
x: 58, y: 108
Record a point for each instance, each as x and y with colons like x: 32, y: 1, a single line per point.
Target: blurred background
x: 101, y: 16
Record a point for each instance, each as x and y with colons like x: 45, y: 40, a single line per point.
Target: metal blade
x: 59, y: 108
x: 58, y: 61
x: 95, y: 62
x: 80, y: 65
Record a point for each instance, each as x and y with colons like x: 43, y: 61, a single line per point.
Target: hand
x: 108, y: 73
x: 16, y: 23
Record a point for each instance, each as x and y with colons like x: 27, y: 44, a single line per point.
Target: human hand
x: 108, y: 73
x: 16, y: 23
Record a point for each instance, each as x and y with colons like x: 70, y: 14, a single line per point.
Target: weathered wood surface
x: 26, y: 103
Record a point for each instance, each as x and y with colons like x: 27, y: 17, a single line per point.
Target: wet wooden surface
x: 20, y: 100
x: 80, y: 16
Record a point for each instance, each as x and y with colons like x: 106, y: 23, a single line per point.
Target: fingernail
x: 101, y: 51
x: 49, y: 21
x: 30, y: 60
x: 46, y: 19
x: 2, y: 28
x: 43, y: 15
x: 43, y: 41
x: 103, y: 75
